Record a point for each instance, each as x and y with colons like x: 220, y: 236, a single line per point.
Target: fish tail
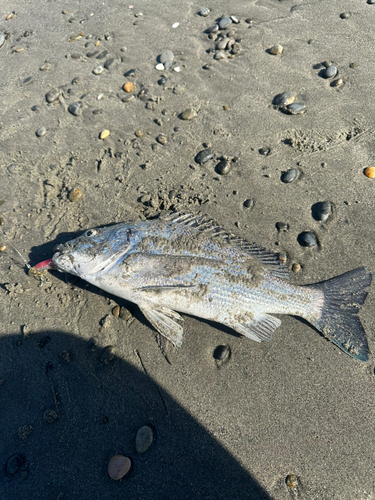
x: 339, y: 321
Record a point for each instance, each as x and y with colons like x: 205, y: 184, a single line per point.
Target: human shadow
x: 64, y: 414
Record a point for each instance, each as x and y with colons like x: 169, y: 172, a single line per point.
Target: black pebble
x: 248, y: 203
x: 35, y: 108
x: 222, y: 352
x: 131, y: 72
x: 204, y: 156
x: 289, y: 176
x: 223, y: 167
x: 264, y: 151
x: 108, y: 63
x: 102, y: 55
x: 162, y: 80
x: 307, y: 239
x: 92, y: 53
x: 321, y: 210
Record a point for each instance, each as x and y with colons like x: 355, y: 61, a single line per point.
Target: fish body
x: 186, y: 263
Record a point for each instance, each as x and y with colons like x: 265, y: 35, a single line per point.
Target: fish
x: 186, y: 263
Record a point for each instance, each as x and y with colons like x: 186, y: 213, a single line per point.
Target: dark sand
x: 296, y: 405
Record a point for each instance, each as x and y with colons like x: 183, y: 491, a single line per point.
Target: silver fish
x: 186, y: 263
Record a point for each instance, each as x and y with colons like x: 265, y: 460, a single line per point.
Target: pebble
x: 108, y: 63
x: 264, y: 151
x: 102, y: 55
x: 41, y: 131
x: 118, y: 467
x: 75, y: 108
x: 159, y: 67
x: 307, y: 239
x: 128, y: 98
x: 144, y: 439
x: 129, y: 87
x: 321, y: 210
x: 296, y: 108
x: 337, y: 83
x: 97, y: 112
x: 204, y: 12
x: 223, y: 167
x: 204, y: 156
x: 235, y: 19
x: 3, y: 248
x: 162, y: 80
x: 52, y: 95
x: 141, y: 133
x: 13, y: 464
x: 224, y: 22
x: 291, y: 481
x: 222, y: 44
x: 9, y: 16
x: 222, y: 352
x: 116, y: 311
x: 165, y: 56
x: 104, y: 134
x: 330, y: 72
x: 370, y: 172
x: 248, y: 203
x: 2, y: 40
x: 76, y: 80
x: 296, y: 267
x: 75, y: 194
x: 98, y: 70
x: 213, y: 29
x: 175, y: 25
x: 284, y: 99
x: 219, y: 55
x: 289, y: 176
x: 92, y: 54
x: 162, y: 139
x: 188, y: 114
x: 276, y: 50
x: 125, y: 314
x: 108, y: 354
x: 282, y: 227
x: 177, y: 69
x: 345, y: 15
x: 167, y: 64
x: 131, y: 72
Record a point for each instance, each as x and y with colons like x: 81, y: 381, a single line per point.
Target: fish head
x: 95, y: 251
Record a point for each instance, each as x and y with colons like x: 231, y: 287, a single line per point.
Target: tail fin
x: 339, y: 321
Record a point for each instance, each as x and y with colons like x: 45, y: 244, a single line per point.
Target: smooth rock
x: 330, y: 72
x: 188, y: 114
x: 159, y: 67
x: 307, y: 239
x: 162, y: 139
x: 213, y: 29
x: 98, y: 70
x: 219, y: 55
x: 108, y: 354
x: 131, y: 72
x: 276, y: 50
x: 167, y: 55
x: 223, y: 167
x: 175, y: 25
x: 282, y: 227
x: 102, y: 55
x: 337, y: 83
x: 167, y: 64
x: 92, y: 53
x: 321, y: 210
x: 144, y: 439
x: 248, y: 203
x: 104, y: 134
x: 289, y: 176
x: 224, y: 22
x: 41, y: 131
x: 284, y: 99
x: 222, y: 352
x: 118, y: 467
x: 296, y: 108
x: 204, y: 156
x: 204, y: 12
x: 75, y: 108
x: 235, y: 19
x: 108, y: 63
x: 222, y: 44
x: 52, y: 95
x: 74, y: 195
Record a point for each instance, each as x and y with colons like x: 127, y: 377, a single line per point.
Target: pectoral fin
x: 260, y: 328
x: 164, y: 320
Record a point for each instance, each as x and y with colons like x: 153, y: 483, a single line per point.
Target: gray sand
x: 296, y: 405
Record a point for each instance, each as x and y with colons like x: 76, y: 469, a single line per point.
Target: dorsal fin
x: 203, y: 223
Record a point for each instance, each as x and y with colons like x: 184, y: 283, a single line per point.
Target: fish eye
x: 91, y: 232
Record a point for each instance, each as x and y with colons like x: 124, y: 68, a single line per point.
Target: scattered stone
x: 66, y: 356
x: 370, y: 172
x: 13, y: 464
x: 141, y: 133
x: 264, y: 151
x: 175, y: 25
x: 296, y: 108
x: 219, y: 55
x: 118, y: 467
x: 321, y: 210
x: 188, y: 114
x: 284, y: 99
x: 289, y: 176
x: 307, y: 239
x: 75, y: 194
x: 125, y: 314
x: 167, y: 65
x: 162, y: 139
x: 162, y: 80
x: 3, y: 248
x: 92, y: 53
x: 104, y: 134
x: 116, y: 311
x: 224, y: 22
x: 165, y: 56
x: 222, y: 352
x: 213, y: 29
x: 9, y: 16
x: 98, y: 70
x: 226, y: 108
x: 282, y: 227
x: 52, y: 95
x: 204, y: 12
x: 45, y: 67
x: 296, y: 267
x: 24, y: 431
x: 129, y: 87
x: 108, y: 63
x: 235, y: 20
x: 144, y: 439
x: 2, y: 40
x: 108, y: 354
x: 159, y: 67
x: 291, y: 481
x: 41, y: 131
x: 75, y: 108
x: 330, y: 72
x: 276, y: 50
x: 248, y: 203
x: 345, y: 15
x: 337, y: 83
x: 102, y: 55
x: 223, y: 167
x: 76, y: 80
x: 97, y: 111
x: 50, y: 416
x: 204, y: 156
x: 222, y: 44
x: 131, y: 73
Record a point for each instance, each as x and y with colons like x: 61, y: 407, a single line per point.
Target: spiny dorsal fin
x: 204, y: 224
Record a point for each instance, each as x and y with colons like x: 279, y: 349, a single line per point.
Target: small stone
x: 296, y: 267
x: 75, y: 108
x: 141, y: 133
x: 131, y: 73
x: 248, y: 203
x: 144, y: 439
x: 222, y: 352
x: 370, y: 172
x: 235, y: 19
x: 330, y: 72
x: 188, y: 114
x: 204, y: 156
x: 108, y: 63
x: 162, y: 139
x: 98, y: 70
x: 52, y: 95
x: 162, y: 80
x: 2, y: 39
x: 41, y: 131
x: 118, y: 467
x: 159, y: 67
x: 108, y: 354
x: 104, y: 134
x: 128, y: 98
x: 282, y: 227
x: 129, y: 87
x: 224, y: 22
x: 76, y: 80
x: 102, y: 55
x: 9, y: 16
x: 223, y: 167
x: 337, y: 83
x: 289, y: 176
x: 165, y: 56
x: 50, y: 416
x: 125, y: 314
x: 177, y: 69
x: 175, y: 25
x: 296, y: 108
x: 116, y: 311
x: 3, y: 248
x: 345, y: 15
x: 222, y: 44
x: 276, y: 50
x: 284, y: 99
x: 75, y: 194
x: 13, y: 464
x: 92, y: 53
x: 264, y: 151
x: 204, y: 12
x: 219, y: 55
x: 291, y: 481
x: 97, y: 111
x: 213, y: 29
x: 226, y: 108
x: 307, y: 239
x: 321, y: 210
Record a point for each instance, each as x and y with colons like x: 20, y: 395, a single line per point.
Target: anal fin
x: 164, y: 320
x: 260, y: 328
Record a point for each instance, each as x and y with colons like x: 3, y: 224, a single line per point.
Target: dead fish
x: 186, y: 263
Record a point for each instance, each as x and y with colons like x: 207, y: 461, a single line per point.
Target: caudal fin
x: 339, y: 321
